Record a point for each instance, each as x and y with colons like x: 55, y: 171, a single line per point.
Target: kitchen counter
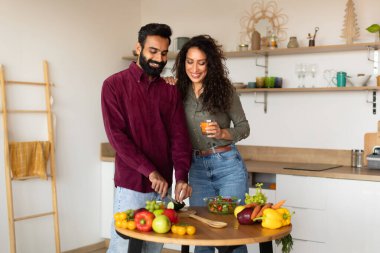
x: 272, y: 160
x: 344, y: 172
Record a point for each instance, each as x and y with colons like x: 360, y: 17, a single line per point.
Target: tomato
x: 116, y: 216
x: 174, y: 229
x: 118, y: 223
x: 190, y: 230
x: 131, y: 225
x: 122, y: 216
x: 181, y: 230
x: 124, y: 224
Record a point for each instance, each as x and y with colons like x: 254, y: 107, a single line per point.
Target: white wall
x: 316, y: 120
x: 83, y: 41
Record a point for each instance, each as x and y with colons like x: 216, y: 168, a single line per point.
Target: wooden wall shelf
x: 364, y: 88
x: 372, y: 89
x: 288, y: 51
x: 304, y: 50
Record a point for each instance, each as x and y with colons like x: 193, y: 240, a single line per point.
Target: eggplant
x: 244, y: 216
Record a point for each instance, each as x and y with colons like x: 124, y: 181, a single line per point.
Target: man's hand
x: 182, y: 191
x: 159, y: 183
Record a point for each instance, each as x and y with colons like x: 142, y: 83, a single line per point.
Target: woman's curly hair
x: 217, y: 88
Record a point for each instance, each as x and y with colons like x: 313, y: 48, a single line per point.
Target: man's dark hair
x: 161, y: 30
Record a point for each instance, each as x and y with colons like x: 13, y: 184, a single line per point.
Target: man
x: 145, y: 123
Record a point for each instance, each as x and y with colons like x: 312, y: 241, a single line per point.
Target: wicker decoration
x: 261, y: 10
x: 350, y: 30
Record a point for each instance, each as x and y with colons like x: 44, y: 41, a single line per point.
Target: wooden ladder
x: 8, y: 173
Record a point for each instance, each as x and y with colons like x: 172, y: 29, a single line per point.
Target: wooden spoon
x: 211, y: 223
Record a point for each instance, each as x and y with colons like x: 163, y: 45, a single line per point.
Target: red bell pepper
x: 144, y: 220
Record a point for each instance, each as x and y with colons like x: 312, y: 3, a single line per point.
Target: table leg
x: 135, y: 245
x: 266, y: 247
x: 226, y: 249
x: 185, y: 248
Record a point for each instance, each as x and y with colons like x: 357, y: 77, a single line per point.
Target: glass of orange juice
x: 205, y: 124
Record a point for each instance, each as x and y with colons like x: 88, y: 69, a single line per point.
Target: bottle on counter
x: 357, y: 158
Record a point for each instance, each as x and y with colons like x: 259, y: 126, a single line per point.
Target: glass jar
x: 293, y: 43
x: 273, y: 41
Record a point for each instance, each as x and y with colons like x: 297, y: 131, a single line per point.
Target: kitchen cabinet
x: 331, y: 215
x: 107, y: 192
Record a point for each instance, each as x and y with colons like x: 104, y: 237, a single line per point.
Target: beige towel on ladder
x: 29, y: 159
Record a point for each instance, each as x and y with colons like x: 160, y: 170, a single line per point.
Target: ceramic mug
x: 278, y: 82
x: 269, y: 82
x: 260, y: 82
x: 340, y: 79
x: 251, y: 85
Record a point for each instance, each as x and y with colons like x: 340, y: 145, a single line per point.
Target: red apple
x: 172, y: 215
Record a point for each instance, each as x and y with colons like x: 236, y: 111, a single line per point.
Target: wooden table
x: 225, y: 239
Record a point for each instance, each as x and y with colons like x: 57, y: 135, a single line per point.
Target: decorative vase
x: 256, y: 41
x: 293, y: 43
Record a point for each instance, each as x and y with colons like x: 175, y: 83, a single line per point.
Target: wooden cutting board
x: 371, y: 140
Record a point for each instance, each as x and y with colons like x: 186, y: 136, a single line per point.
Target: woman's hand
x: 170, y: 80
x: 213, y: 130
x: 182, y: 191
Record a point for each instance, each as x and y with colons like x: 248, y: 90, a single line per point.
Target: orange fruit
x: 131, y: 225
x: 181, y: 230
x: 190, y: 230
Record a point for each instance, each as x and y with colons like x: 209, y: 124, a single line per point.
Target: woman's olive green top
x: 195, y: 114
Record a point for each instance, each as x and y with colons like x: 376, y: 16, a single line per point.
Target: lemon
x: 238, y: 209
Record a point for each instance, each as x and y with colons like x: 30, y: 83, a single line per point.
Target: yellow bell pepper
x: 274, y: 219
x: 285, y: 215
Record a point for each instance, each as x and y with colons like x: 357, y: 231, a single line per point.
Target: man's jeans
x: 127, y: 199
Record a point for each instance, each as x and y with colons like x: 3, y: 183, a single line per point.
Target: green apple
x: 161, y: 224
x: 158, y: 212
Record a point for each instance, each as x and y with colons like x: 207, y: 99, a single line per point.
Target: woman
x: 217, y: 167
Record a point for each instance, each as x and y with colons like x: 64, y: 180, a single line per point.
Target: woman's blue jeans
x: 221, y: 174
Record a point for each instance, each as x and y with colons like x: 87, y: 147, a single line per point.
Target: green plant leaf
x: 373, y: 28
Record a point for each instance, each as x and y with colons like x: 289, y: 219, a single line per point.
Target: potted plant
x: 375, y: 28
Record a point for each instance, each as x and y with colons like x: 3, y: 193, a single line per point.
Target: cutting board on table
x: 371, y: 140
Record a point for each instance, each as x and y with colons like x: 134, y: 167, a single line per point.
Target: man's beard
x: 149, y: 70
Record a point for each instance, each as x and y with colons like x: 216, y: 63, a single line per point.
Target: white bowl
x: 359, y: 79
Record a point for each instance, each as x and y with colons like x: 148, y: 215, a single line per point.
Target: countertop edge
x: 107, y: 154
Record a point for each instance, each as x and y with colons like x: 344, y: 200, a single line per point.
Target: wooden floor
x: 163, y: 251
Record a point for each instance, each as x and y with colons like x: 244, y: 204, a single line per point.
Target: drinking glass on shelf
x: 301, y: 72
x: 329, y: 75
x: 312, y: 69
